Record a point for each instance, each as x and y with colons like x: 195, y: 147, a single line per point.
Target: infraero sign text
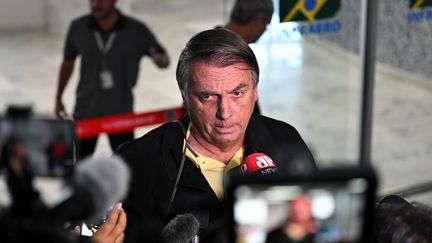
x: 313, y: 16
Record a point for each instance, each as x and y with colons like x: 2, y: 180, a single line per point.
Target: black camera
x: 38, y: 146
x: 35, y: 152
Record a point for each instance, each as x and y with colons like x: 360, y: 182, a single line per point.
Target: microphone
x: 181, y: 229
x: 258, y: 163
x: 96, y: 185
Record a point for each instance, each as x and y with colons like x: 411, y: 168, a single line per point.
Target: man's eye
x: 237, y: 93
x: 205, y: 97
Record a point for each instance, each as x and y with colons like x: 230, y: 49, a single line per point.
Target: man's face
x: 220, y: 102
x: 301, y: 210
x: 101, y: 9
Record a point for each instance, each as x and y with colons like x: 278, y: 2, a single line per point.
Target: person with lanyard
x: 111, y: 46
x: 179, y: 167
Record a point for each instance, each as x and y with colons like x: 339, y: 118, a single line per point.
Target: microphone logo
x: 258, y: 162
x: 264, y: 162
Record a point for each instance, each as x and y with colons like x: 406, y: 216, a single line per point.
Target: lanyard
x: 104, y: 49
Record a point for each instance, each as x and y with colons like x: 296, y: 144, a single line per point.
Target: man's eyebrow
x: 203, y: 91
x: 240, y: 86
x: 209, y: 92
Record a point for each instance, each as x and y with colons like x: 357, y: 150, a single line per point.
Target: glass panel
x: 310, y: 79
x: 310, y: 74
x: 402, y: 138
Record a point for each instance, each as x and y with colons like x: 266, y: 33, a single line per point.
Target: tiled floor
x: 311, y: 84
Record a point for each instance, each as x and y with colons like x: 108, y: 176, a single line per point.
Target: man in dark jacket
x: 179, y: 167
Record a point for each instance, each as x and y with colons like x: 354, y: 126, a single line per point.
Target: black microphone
x: 181, y: 229
x: 96, y: 185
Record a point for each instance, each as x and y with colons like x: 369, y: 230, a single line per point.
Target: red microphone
x: 258, y: 163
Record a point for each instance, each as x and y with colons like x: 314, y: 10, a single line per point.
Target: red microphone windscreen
x: 258, y: 163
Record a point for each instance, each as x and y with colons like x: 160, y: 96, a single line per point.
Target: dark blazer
x: 154, y: 160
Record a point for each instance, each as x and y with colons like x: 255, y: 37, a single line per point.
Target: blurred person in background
x: 111, y: 45
x: 299, y: 227
x: 249, y: 19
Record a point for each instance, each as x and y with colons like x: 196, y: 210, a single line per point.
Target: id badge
x: 107, y: 79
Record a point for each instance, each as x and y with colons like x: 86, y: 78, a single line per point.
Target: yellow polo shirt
x: 213, y: 170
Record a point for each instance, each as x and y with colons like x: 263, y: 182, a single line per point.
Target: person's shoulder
x: 283, y: 137
x: 133, y: 22
x: 147, y: 147
x: 149, y: 141
x: 83, y: 19
x: 148, y: 137
x: 276, y: 235
x: 278, y: 130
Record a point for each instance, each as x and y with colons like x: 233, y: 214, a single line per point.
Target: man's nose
x: 224, y: 108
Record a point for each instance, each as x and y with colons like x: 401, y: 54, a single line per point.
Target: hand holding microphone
x: 258, y: 163
x: 113, y: 228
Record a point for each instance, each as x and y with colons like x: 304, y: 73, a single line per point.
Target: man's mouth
x: 224, y: 128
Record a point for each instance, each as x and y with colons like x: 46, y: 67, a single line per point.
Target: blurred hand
x: 160, y: 59
x: 112, y: 231
x: 60, y: 111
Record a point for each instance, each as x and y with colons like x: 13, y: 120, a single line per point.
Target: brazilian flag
x: 416, y: 4
x: 307, y: 10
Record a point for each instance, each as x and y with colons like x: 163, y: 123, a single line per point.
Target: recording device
x: 32, y: 150
x: 332, y: 205
x: 35, y: 152
x: 258, y: 163
x: 181, y: 229
x: 36, y: 146
x: 97, y: 183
